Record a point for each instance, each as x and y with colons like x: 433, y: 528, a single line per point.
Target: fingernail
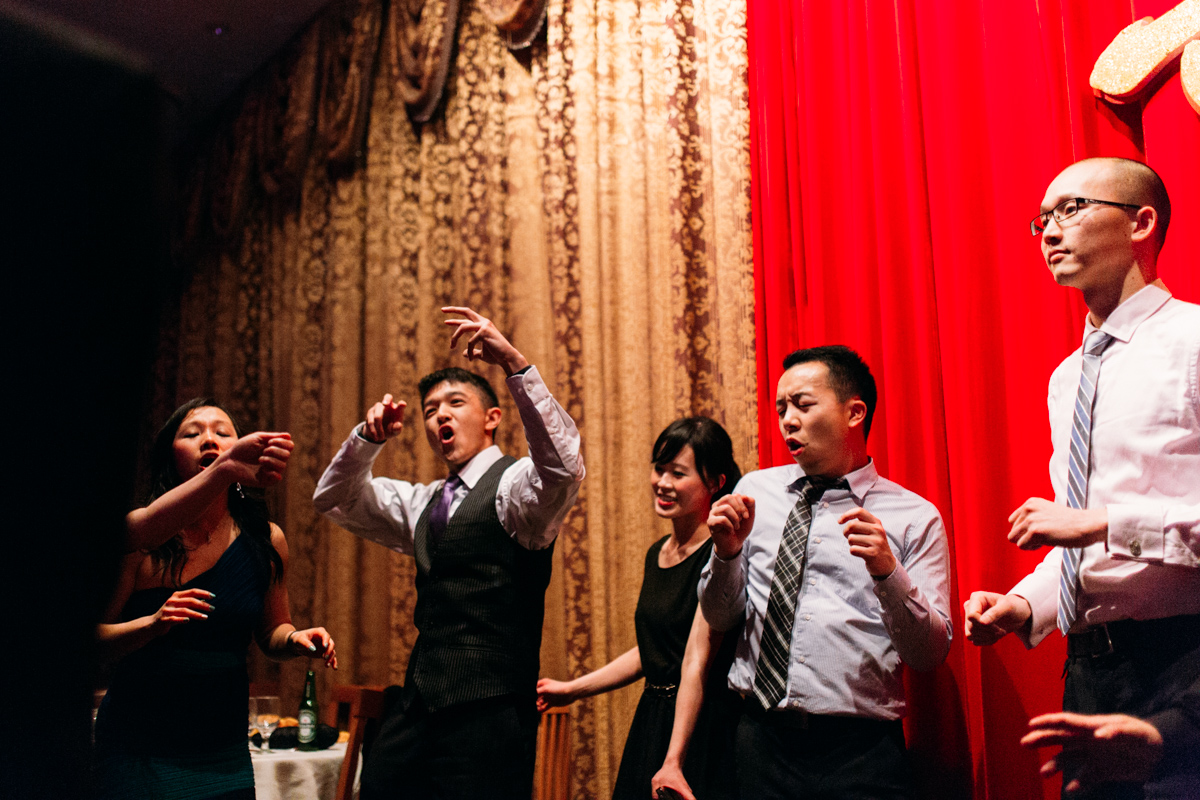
x: 205, y: 616
x: 312, y: 648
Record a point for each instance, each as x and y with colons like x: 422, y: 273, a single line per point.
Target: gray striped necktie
x: 1078, y: 465
x: 774, y: 653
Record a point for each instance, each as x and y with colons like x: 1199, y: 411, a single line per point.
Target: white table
x: 298, y: 775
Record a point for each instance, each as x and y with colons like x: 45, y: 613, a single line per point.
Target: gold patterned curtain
x: 590, y: 194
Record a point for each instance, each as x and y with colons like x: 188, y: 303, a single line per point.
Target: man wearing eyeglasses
x: 1122, y: 576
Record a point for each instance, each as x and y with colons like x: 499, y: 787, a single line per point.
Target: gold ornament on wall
x: 1145, y: 48
x: 1189, y: 72
x: 519, y: 21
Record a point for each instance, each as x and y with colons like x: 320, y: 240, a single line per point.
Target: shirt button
x: 801, y: 659
x: 808, y: 616
x: 824, y: 504
x: 818, y: 541
x: 1135, y: 548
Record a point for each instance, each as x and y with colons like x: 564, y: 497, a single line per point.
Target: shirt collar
x: 1125, y: 319
x: 478, y: 466
x: 861, y: 480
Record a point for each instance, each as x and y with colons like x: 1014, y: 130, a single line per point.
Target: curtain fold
x: 592, y: 197
x: 899, y: 150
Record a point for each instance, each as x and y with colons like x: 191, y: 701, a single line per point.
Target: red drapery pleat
x: 899, y: 150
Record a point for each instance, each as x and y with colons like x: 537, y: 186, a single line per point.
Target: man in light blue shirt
x: 841, y: 575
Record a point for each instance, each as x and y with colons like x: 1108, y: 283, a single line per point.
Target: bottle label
x: 308, y: 726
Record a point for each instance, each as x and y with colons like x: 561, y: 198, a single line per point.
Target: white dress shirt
x: 850, y: 631
x: 1145, y: 469
x: 532, y: 499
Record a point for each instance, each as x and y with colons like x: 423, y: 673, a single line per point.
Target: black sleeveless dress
x: 173, y: 724
x: 666, y: 606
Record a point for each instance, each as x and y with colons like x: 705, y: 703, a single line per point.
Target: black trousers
x: 821, y: 758
x: 1152, y: 665
x: 483, y: 748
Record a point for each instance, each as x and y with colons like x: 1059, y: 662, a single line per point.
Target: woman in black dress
x: 693, y: 465
x: 204, y: 576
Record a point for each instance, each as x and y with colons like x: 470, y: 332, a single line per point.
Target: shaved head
x: 1134, y: 182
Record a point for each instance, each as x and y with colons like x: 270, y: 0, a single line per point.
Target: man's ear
x: 491, y: 420
x: 856, y: 409
x: 1145, y: 224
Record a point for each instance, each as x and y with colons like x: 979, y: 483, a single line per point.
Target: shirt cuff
x: 1136, y: 532
x: 895, y: 588
x: 361, y: 444
x: 1044, y: 605
x: 528, y: 384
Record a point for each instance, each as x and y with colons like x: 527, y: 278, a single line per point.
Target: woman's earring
x: 240, y: 493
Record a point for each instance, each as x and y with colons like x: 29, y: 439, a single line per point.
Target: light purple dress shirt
x: 850, y: 631
x: 1145, y: 468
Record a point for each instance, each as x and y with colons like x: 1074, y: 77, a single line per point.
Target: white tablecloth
x: 297, y: 775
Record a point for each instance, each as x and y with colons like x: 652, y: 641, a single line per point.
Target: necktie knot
x: 1096, y: 342
x: 817, y: 485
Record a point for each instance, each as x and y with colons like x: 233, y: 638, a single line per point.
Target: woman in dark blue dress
x: 685, y: 720
x: 205, y: 575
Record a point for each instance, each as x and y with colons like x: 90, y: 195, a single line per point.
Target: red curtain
x: 899, y: 150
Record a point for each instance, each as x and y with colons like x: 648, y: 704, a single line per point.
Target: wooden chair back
x: 364, y: 703
x: 551, y: 772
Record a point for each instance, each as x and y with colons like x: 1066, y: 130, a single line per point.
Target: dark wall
x: 82, y: 258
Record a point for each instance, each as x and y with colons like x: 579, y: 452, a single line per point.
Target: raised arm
x: 723, y: 581
x: 534, y: 496
x: 913, y: 589
x: 702, y: 646
x: 621, y: 671
x: 257, y: 459
x: 378, y: 509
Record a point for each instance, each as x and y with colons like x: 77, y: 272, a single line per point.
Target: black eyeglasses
x: 1068, y: 208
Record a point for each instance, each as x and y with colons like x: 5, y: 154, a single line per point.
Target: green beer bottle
x: 308, y: 714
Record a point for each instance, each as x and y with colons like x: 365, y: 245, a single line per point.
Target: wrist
x: 1099, y: 524
x: 514, y: 365
x: 724, y: 554
x: 881, y: 572
x: 361, y: 431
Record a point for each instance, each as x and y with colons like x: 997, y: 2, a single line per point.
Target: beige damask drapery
x: 590, y: 194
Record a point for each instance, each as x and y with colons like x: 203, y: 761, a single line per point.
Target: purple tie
x: 440, y: 514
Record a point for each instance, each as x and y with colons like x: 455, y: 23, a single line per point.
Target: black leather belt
x: 799, y: 719
x: 1169, y: 634
x: 663, y: 690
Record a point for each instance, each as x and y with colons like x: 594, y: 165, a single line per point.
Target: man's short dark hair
x: 1137, y: 182
x: 849, y: 375
x: 456, y: 375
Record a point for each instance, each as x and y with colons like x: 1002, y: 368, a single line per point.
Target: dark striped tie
x: 774, y: 654
x: 1078, y: 465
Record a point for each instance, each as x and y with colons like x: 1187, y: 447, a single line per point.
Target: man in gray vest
x: 465, y: 723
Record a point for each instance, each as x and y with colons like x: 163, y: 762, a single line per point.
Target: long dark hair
x: 247, y: 505
x: 711, y: 446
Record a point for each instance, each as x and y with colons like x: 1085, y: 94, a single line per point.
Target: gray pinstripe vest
x: 480, y: 603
